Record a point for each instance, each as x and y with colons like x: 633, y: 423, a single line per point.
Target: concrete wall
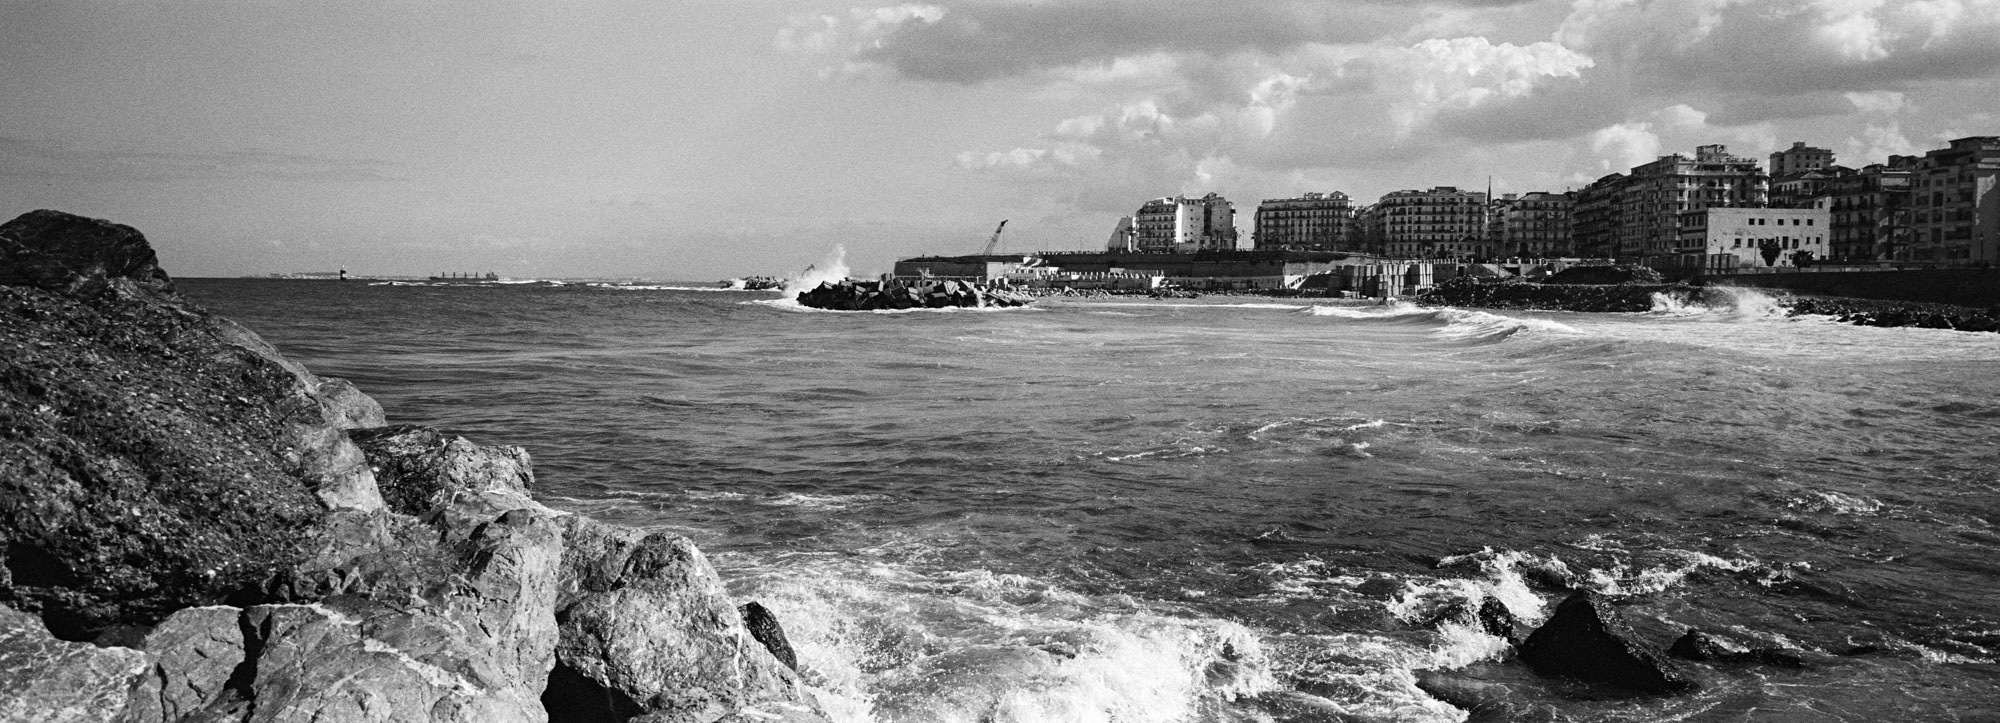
x: 1964, y: 287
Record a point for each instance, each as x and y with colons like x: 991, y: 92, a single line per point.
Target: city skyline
x: 722, y: 139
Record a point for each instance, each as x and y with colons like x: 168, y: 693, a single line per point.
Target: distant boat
x: 489, y: 276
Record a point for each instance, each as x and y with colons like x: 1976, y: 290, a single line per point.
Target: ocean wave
x: 886, y: 642
x: 1721, y: 303
x: 1453, y: 323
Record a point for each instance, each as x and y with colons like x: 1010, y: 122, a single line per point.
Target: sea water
x: 1242, y: 509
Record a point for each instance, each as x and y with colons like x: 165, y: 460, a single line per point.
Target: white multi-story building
x: 1178, y: 224
x: 1733, y: 238
x: 1443, y: 222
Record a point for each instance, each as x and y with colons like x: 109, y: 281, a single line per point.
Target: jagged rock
x: 195, y: 652
x: 765, y: 628
x: 1698, y: 645
x: 151, y: 457
x: 448, y: 482
x: 156, y: 459
x: 55, y: 681
x: 1602, y: 275
x: 650, y: 628
x: 1587, y: 640
x: 56, y: 251
x: 851, y: 295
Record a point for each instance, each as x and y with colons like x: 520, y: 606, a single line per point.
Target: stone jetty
x: 891, y: 293
x: 195, y: 528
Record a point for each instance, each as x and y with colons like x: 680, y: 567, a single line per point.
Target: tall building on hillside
x: 1802, y: 190
x: 1443, y: 222
x: 1181, y: 224
x: 1656, y: 193
x: 1955, y: 204
x: 1598, y: 216
x: 1800, y: 159
x: 1313, y: 222
x: 1533, y: 225
x: 1871, y: 212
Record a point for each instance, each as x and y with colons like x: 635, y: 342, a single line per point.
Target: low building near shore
x: 1724, y: 239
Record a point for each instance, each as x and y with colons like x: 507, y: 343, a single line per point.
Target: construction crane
x: 994, y: 242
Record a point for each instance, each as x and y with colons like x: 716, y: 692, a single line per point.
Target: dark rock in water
x: 1701, y: 646
x: 1497, y: 620
x: 765, y: 628
x: 1585, y: 639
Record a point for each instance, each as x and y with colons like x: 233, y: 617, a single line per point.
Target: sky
x: 706, y: 139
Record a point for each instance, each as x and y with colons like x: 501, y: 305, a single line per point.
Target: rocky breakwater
x: 888, y: 294
x: 1872, y: 312
x: 194, y: 528
x: 1586, y: 288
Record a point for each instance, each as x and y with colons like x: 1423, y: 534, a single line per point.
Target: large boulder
x: 646, y: 628
x: 1586, y: 639
x: 56, y: 251
x: 152, y: 457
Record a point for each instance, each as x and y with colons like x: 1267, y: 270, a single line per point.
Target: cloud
x: 48, y: 159
x: 973, y: 42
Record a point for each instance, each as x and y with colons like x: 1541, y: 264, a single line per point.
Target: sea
x: 1242, y: 508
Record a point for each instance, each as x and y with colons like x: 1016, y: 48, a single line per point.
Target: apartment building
x: 1443, y: 222
x: 1533, y: 225
x: 1954, y: 204
x: 1181, y: 224
x: 1312, y: 222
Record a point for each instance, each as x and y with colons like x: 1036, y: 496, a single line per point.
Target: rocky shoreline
x: 1639, y: 297
x: 195, y: 528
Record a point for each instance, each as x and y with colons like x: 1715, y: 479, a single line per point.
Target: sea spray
x: 831, y: 268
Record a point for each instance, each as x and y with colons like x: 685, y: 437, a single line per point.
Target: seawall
x: 1977, y: 288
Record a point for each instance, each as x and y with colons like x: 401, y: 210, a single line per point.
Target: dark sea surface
x: 1241, y: 509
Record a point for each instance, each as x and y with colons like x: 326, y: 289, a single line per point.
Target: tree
x: 1769, y: 249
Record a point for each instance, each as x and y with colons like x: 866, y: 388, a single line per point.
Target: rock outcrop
x: 246, y: 541
x: 1585, y: 639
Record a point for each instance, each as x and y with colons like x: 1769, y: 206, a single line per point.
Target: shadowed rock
x: 1585, y: 639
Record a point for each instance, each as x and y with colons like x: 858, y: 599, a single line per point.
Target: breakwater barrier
x: 893, y: 294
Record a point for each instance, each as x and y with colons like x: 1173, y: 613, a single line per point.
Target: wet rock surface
x: 250, y: 542
x: 1585, y: 639
x: 1871, y: 312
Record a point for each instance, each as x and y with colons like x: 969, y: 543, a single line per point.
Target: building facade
x: 1871, y: 212
x: 1954, y: 204
x: 1443, y: 222
x: 1720, y: 239
x: 1313, y: 222
x: 1656, y: 194
x: 1533, y: 225
x: 1597, y: 217
x: 1800, y: 159
x: 1181, y: 224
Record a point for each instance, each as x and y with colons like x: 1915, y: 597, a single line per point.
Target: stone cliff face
x: 241, y: 540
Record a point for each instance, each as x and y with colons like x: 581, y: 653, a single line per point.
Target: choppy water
x: 1220, y: 510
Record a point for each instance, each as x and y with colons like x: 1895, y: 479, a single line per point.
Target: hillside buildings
x: 1955, y: 207
x: 1800, y: 159
x: 1313, y: 222
x: 1181, y: 224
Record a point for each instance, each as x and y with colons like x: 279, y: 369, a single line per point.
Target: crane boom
x: 994, y: 242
